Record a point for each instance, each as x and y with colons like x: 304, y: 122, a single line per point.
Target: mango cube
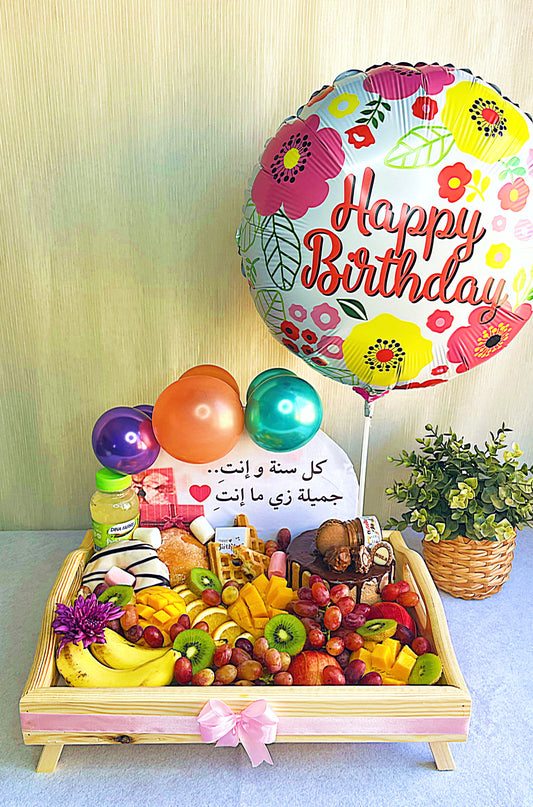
x: 404, y: 664
x: 261, y: 584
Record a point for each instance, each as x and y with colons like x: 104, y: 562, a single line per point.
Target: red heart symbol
x: 200, y: 492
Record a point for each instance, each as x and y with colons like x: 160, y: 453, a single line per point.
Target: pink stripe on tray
x: 305, y: 727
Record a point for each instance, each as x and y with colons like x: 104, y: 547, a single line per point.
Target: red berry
x: 371, y: 679
x: 185, y: 620
x: 335, y: 645
x: 320, y: 594
x: 354, y: 671
x: 420, y: 645
x: 238, y: 655
x: 153, y: 636
x: 305, y: 593
x: 354, y: 620
x: 316, y: 638
x: 353, y: 641
x: 305, y: 608
x: 202, y: 626
x: 338, y: 591
x: 332, y: 676
x: 183, y: 670
x: 315, y: 578
x: 282, y: 679
x: 409, y: 599
x: 203, y: 678
x: 403, y: 586
x: 174, y: 630
x: 222, y: 655
x: 332, y: 617
x: 346, y: 604
x: 211, y: 597
x: 390, y: 592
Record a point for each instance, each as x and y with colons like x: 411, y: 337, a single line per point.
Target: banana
x: 80, y: 668
x: 120, y: 654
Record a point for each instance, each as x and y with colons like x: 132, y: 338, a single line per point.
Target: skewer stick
x: 369, y: 411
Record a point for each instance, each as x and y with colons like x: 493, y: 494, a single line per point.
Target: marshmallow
x: 202, y: 529
x: 148, y: 535
x: 116, y: 576
x: 278, y: 565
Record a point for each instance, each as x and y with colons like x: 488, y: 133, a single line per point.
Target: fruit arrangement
x: 207, y: 632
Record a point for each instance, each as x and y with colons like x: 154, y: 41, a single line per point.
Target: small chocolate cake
x: 304, y: 560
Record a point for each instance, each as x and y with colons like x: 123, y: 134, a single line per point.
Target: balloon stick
x: 369, y: 411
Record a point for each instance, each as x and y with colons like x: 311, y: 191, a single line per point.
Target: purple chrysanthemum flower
x: 84, y: 621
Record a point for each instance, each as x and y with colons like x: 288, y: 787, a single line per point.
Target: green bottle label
x: 104, y: 534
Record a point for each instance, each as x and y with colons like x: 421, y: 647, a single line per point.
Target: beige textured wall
x: 128, y: 130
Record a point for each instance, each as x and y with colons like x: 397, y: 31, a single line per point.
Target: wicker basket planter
x: 470, y: 570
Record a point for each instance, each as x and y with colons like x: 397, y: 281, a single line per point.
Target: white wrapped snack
x: 135, y: 557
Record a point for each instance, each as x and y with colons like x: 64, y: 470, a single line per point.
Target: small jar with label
x: 114, y: 508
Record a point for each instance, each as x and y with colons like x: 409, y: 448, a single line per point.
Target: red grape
x: 211, y: 597
x: 305, y: 608
x: 353, y: 620
x: 389, y: 593
x: 185, y: 620
x: 346, y: 604
x: 305, y: 593
x: 249, y: 670
x: 354, y: 671
x: 285, y: 661
x: 203, y: 678
x: 202, y: 626
x: 315, y: 578
x: 371, y: 679
x: 100, y: 588
x: 174, y: 630
x: 316, y: 638
x: 270, y: 548
x: 320, y: 594
x: 403, y: 586
x: 222, y: 655
x: 420, y: 645
x: 362, y: 608
x: 134, y: 634
x: 284, y: 538
x: 283, y: 679
x: 245, y: 644
x: 238, y: 655
x: 332, y: 617
x: 404, y: 634
x: 310, y: 624
x: 409, y: 599
x: 260, y: 647
x: 114, y: 624
x: 343, y: 658
x: 183, y: 670
x: 332, y: 676
x: 339, y: 591
x: 273, y: 660
x: 226, y: 674
x: 353, y: 641
x: 335, y: 645
x: 153, y: 636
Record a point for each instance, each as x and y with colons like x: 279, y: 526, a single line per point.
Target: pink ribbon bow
x: 253, y: 727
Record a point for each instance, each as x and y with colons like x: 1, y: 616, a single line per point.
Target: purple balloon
x: 123, y: 440
x: 146, y: 408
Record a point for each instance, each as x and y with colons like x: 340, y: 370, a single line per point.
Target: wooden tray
x: 54, y: 716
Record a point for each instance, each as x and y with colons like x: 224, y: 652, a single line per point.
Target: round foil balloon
x: 214, y: 371
x: 264, y: 376
x: 198, y: 419
x: 123, y: 440
x: 387, y: 235
x: 283, y: 413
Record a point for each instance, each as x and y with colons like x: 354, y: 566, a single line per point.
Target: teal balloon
x: 283, y: 413
x: 264, y: 376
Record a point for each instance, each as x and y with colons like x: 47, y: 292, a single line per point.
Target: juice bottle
x: 114, y: 508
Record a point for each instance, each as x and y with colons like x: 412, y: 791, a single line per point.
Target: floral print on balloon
x: 481, y: 339
x: 295, y: 167
x: 393, y: 81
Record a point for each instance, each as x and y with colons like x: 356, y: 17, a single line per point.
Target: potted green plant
x: 469, y: 503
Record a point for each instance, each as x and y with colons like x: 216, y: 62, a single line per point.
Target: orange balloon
x: 214, y: 371
x: 198, y: 419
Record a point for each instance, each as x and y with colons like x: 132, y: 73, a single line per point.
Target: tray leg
x: 49, y: 758
x: 442, y: 756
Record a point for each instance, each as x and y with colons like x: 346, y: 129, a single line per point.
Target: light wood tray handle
x: 43, y: 672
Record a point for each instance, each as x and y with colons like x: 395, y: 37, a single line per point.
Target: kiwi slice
x: 199, y: 579
x: 427, y: 670
x: 285, y: 632
x: 119, y: 595
x: 377, y: 630
x: 197, y: 645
